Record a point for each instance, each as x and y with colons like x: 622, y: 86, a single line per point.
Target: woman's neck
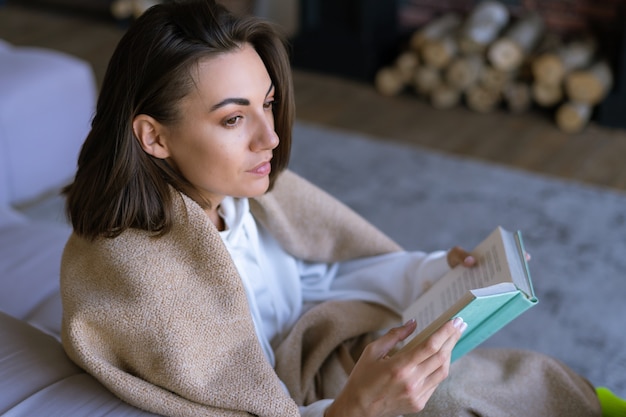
x: 215, y: 217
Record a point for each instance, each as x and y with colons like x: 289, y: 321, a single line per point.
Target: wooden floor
x: 529, y: 142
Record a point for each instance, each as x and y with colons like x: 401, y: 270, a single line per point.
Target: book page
x: 492, y: 268
x: 514, y: 247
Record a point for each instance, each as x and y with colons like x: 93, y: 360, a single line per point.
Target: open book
x: 487, y: 296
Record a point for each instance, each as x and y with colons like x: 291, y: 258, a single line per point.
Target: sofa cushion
x: 29, y: 267
x: 46, y: 105
x: 38, y: 379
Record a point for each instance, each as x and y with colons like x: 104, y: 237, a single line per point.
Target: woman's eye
x: 268, y: 105
x: 232, y: 121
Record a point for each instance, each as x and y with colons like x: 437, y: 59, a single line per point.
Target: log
x: 551, y: 67
x: 589, y: 85
x: 122, y: 9
x: 547, y: 95
x: 426, y: 79
x: 406, y: 63
x: 509, y: 51
x: 142, y: 5
x: 389, y: 81
x: 125, y: 9
x: 464, y: 71
x: 517, y: 96
x: 435, y: 29
x: 439, y: 52
x: 482, y: 26
x: 548, y: 69
x: 444, y: 96
x: 549, y: 42
x: 481, y: 99
x: 572, y: 117
x: 494, y: 79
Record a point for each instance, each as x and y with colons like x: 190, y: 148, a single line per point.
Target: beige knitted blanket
x: 164, y: 322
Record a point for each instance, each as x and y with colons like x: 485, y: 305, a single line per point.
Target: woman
x: 203, y: 278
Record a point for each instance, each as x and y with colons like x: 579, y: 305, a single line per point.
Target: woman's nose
x: 267, y: 138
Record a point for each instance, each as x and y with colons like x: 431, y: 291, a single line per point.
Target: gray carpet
x: 425, y: 200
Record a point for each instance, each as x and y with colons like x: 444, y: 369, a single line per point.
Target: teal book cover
x: 488, y: 296
x: 487, y: 315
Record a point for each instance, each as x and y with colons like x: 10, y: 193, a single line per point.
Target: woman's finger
x: 383, y: 345
x: 437, y: 366
x: 459, y: 256
x: 433, y: 345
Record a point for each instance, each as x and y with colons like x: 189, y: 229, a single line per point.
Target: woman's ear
x: 150, y: 135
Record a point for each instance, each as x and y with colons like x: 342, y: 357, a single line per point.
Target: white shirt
x: 278, y: 285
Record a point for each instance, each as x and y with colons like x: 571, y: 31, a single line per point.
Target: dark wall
x: 100, y: 8
x: 346, y: 37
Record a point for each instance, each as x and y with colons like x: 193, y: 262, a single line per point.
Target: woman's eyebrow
x: 269, y: 90
x: 234, y: 100
x: 238, y: 101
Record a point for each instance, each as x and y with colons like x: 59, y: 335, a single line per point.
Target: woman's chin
x: 258, y: 189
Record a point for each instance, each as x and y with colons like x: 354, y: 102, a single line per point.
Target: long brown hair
x: 119, y: 186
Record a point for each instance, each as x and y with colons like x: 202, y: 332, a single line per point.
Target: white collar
x: 233, y: 211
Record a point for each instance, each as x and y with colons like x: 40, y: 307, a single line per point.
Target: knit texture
x: 163, y: 322
x: 512, y: 383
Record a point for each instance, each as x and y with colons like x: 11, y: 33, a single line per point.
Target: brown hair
x: 119, y: 186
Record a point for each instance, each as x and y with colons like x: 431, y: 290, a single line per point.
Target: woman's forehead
x: 239, y: 73
x: 230, y: 72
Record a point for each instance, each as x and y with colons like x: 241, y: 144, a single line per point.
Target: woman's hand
x: 388, y: 386
x: 459, y: 256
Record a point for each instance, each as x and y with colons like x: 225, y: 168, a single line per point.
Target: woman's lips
x: 262, y: 169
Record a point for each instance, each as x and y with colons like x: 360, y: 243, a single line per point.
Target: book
x: 487, y: 296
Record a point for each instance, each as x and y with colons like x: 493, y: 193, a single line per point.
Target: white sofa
x: 46, y: 102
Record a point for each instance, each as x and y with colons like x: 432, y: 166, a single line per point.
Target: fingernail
x: 463, y: 327
x: 459, y: 324
x: 411, y: 321
x: 469, y: 260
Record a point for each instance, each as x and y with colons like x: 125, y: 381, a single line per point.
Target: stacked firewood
x: 490, y: 59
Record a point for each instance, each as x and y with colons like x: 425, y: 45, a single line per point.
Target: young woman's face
x: 224, y: 140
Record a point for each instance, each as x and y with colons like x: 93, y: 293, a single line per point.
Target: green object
x: 487, y: 315
x: 612, y: 405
